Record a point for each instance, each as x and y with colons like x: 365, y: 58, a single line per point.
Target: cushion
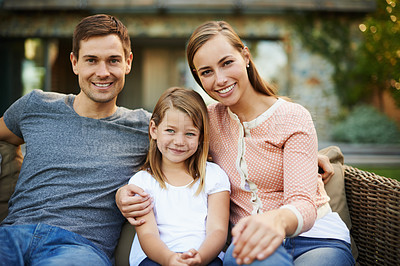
x: 11, y: 161
x: 335, y: 189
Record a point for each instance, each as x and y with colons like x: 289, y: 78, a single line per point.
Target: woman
x: 268, y: 147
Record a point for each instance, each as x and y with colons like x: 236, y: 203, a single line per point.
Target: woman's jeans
x: 42, y: 244
x: 304, y: 251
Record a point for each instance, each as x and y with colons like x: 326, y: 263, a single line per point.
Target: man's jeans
x: 304, y: 251
x: 41, y: 244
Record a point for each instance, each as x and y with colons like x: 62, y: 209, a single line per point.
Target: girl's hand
x: 258, y: 236
x: 175, y: 260
x: 133, y: 202
x: 191, y: 257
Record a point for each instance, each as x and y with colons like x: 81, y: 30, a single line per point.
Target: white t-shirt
x: 181, y: 216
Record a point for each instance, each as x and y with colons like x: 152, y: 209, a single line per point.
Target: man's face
x: 101, y: 67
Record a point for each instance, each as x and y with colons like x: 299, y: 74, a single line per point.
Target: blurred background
x: 338, y: 58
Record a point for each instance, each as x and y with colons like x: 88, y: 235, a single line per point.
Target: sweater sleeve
x: 300, y: 165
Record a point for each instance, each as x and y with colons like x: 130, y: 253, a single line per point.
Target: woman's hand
x: 258, y: 236
x: 326, y: 168
x: 133, y: 202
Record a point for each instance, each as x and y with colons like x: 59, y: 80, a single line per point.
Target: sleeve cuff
x: 299, y: 219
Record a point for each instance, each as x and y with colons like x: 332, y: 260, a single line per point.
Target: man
x: 79, y: 150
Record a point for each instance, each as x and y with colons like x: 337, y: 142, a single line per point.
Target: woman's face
x: 222, y: 70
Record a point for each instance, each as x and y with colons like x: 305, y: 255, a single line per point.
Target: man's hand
x: 133, y: 202
x: 325, y: 168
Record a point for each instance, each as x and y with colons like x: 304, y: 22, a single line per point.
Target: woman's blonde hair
x: 210, y: 29
x: 191, y: 103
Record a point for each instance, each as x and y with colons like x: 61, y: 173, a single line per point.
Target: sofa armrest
x: 10, y: 166
x: 374, y: 205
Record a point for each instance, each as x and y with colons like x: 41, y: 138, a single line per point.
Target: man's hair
x: 100, y: 25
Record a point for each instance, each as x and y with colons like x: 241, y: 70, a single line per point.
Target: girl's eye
x: 190, y: 134
x: 169, y: 130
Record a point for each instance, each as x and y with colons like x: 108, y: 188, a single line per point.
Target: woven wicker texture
x: 374, y: 205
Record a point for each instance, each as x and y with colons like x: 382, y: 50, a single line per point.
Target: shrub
x: 365, y: 124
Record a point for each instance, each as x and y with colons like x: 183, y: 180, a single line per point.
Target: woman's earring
x: 248, y: 65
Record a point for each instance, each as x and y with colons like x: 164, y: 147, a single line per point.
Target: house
x: 36, y: 39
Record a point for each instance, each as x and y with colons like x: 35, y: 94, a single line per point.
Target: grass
x: 387, y: 171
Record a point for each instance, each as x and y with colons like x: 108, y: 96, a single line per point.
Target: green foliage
x: 365, y: 55
x: 379, y: 55
x: 365, y: 124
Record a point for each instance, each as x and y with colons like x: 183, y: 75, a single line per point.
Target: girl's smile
x: 177, y: 137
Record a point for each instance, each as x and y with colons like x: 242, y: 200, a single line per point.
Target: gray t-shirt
x: 74, y: 165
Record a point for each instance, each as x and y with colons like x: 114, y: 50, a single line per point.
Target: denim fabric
x: 319, y: 251
x: 304, y: 251
x: 41, y: 244
x: 149, y: 262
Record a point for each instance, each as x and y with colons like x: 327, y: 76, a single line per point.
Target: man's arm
x: 7, y: 135
x: 325, y: 168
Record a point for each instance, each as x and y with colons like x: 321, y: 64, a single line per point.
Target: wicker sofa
x: 374, y: 205
x: 369, y: 204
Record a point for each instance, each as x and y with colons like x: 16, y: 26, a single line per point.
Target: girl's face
x: 222, y: 70
x: 177, y: 137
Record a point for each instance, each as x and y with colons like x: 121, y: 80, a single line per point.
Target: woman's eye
x: 206, y: 72
x: 169, y: 130
x: 190, y: 134
x: 228, y: 62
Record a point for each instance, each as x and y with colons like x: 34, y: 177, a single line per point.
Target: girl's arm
x: 151, y: 243
x: 216, y: 230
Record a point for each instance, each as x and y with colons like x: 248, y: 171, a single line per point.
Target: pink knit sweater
x: 271, y: 161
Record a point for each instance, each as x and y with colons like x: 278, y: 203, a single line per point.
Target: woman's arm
x: 216, y: 231
x: 258, y: 236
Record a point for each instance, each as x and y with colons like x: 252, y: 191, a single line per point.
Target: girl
x: 191, y: 195
x: 268, y: 148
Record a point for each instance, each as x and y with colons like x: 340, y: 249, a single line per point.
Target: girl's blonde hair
x: 191, y: 103
x: 210, y: 29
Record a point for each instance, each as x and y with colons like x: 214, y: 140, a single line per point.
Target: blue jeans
x: 305, y: 251
x: 148, y: 262
x: 42, y: 244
